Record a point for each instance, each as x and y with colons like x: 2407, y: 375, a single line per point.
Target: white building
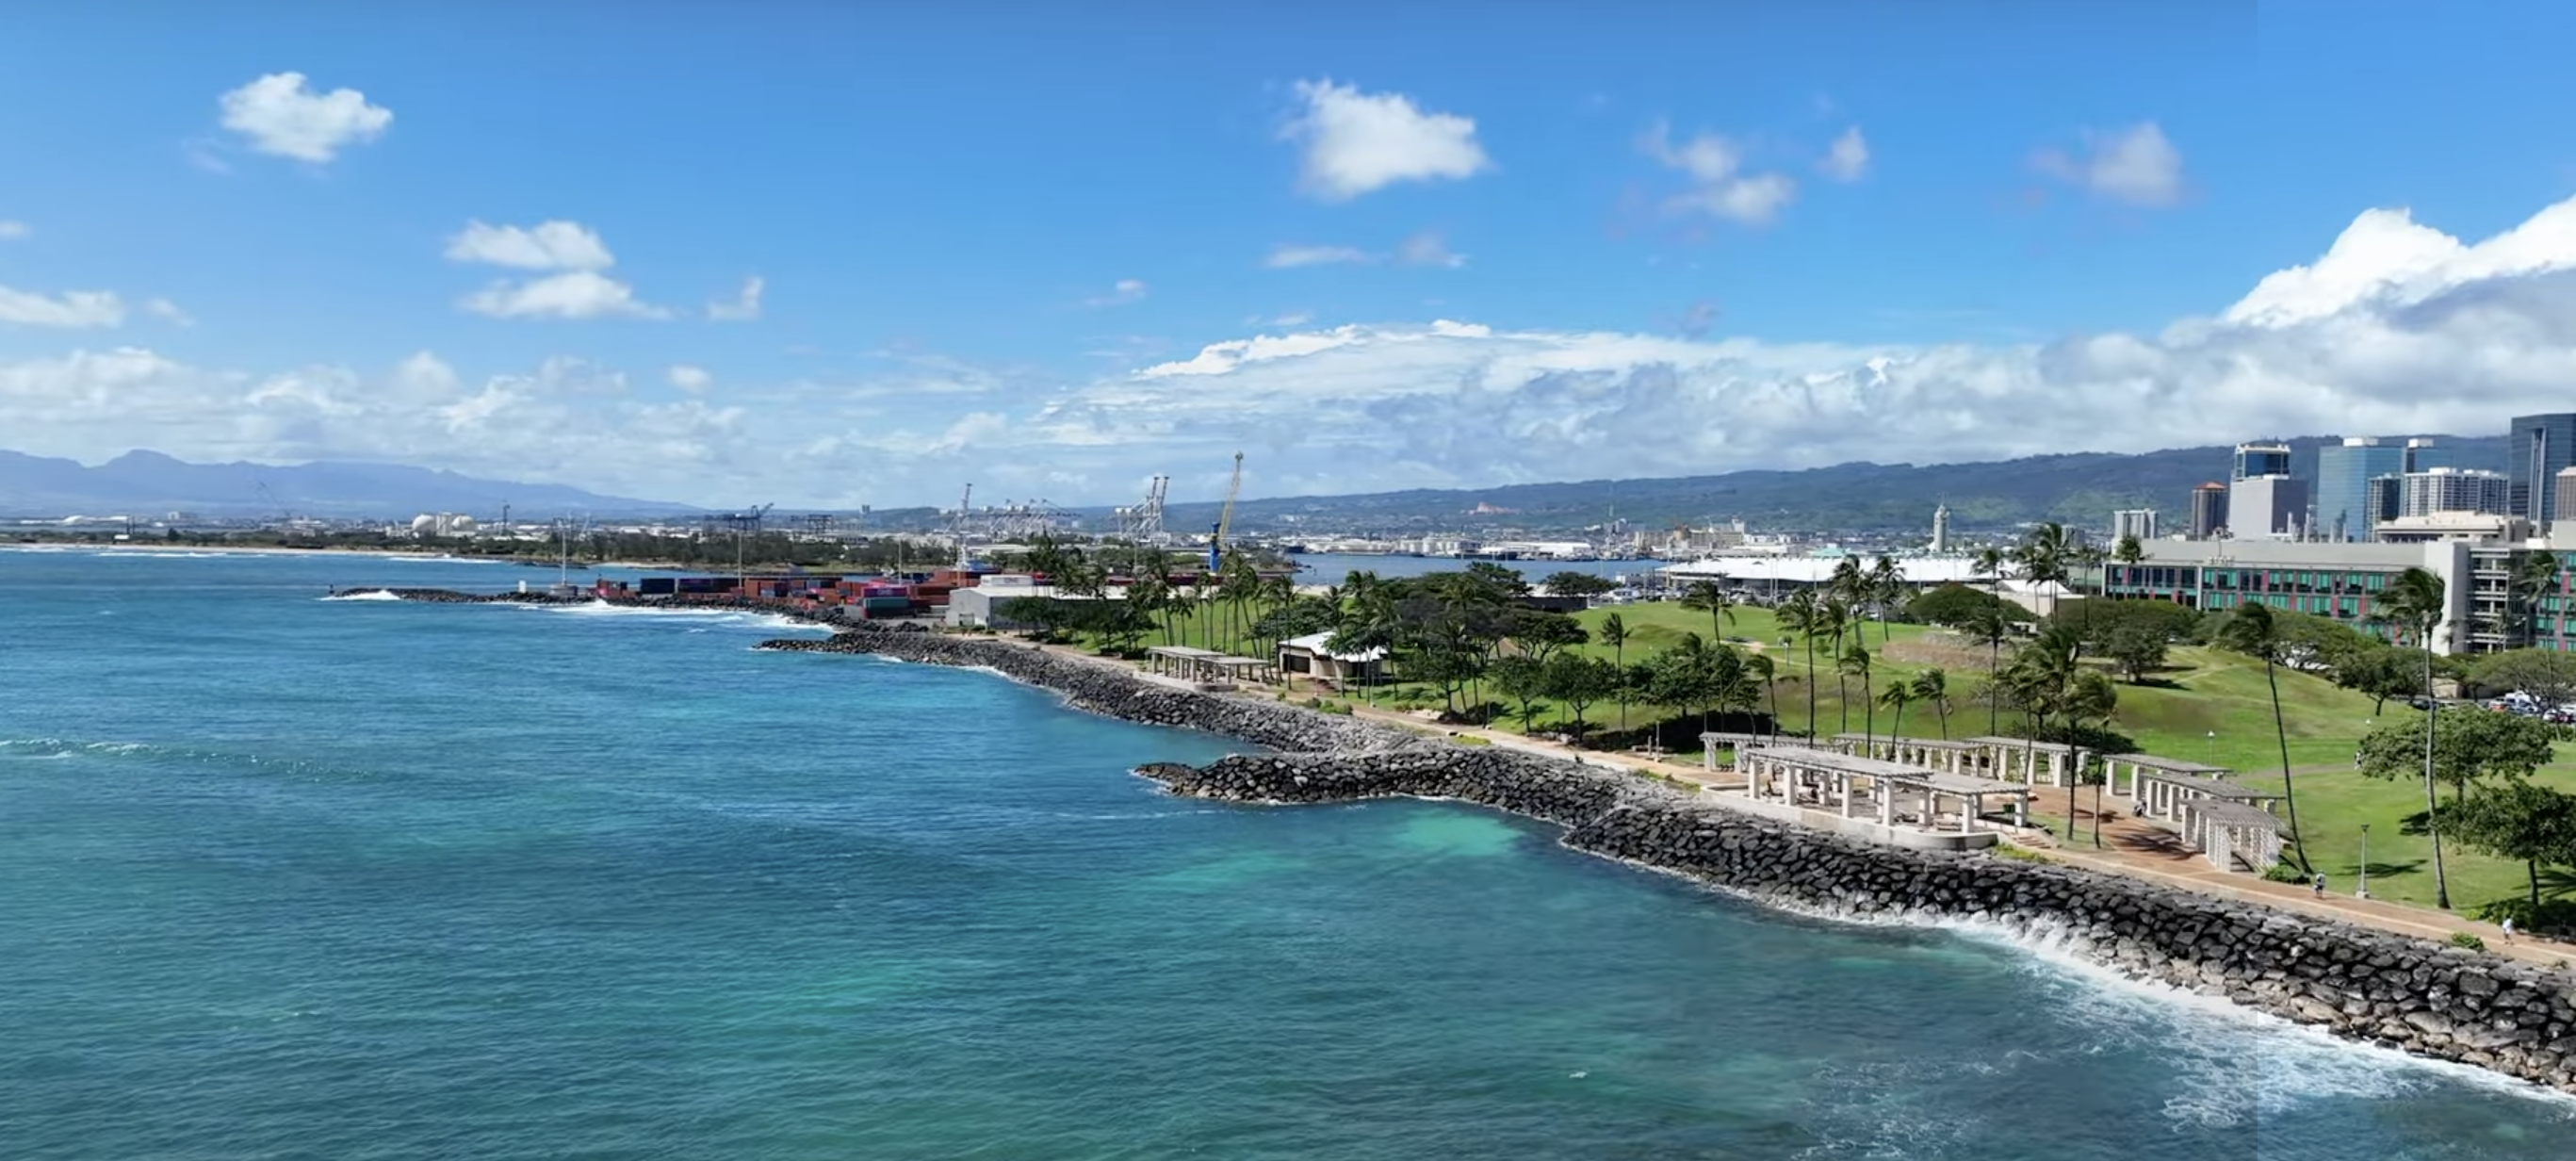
x: 2267, y: 508
x: 2137, y: 522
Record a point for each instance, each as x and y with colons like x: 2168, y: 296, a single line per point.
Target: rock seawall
x: 2363, y: 985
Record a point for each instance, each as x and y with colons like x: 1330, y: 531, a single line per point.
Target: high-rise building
x: 2128, y: 522
x: 2457, y: 490
x: 2566, y: 493
x: 1941, y: 529
x: 2387, y: 498
x: 2344, y: 472
x: 2261, y: 459
x: 2208, y: 510
x: 2273, y: 507
x: 2424, y: 455
x: 2539, y: 447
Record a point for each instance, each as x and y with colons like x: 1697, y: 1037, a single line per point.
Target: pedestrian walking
x: 2320, y: 885
x: 2508, y: 929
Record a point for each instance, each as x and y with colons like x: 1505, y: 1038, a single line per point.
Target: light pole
x: 2363, y: 892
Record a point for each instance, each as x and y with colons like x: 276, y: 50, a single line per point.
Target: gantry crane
x: 1224, y: 519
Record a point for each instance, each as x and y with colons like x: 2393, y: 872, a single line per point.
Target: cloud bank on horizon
x: 522, y: 346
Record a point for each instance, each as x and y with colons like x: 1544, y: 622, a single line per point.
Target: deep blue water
x: 290, y: 878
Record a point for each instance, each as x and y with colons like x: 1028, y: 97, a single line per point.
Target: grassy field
x: 2207, y: 706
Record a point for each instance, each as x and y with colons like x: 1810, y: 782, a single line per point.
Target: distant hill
x: 2081, y: 489
x: 148, y: 484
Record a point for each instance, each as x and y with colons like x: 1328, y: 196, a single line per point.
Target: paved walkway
x: 2130, y: 847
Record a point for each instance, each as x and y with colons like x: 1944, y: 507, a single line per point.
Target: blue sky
x: 1056, y: 252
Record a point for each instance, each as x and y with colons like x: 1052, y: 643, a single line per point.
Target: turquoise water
x: 283, y: 877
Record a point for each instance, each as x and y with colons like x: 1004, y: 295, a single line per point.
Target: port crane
x: 1224, y: 519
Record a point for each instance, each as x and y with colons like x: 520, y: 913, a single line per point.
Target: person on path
x: 2508, y: 929
x: 2320, y: 885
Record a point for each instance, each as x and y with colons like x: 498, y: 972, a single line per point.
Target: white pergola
x: 1928, y: 753
x: 1849, y: 784
x: 1714, y: 740
x: 1184, y: 662
x: 2021, y: 759
x: 2141, y: 767
x: 2228, y: 831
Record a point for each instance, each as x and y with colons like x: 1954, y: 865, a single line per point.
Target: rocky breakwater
x: 1112, y: 690
x: 2364, y: 985
x: 787, y: 609
x: 452, y: 597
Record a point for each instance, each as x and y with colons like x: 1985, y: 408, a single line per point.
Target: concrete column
x: 1842, y: 791
x: 1886, y: 803
x: 2021, y: 811
x: 1969, y: 808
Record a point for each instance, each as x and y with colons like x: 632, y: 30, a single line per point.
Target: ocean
x: 290, y: 877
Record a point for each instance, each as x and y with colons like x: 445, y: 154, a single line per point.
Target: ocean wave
x: 163, y: 554
x: 76, y: 748
x: 729, y: 618
x: 369, y: 595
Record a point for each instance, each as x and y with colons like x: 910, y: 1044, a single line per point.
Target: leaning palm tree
x: 1855, y: 663
x: 1802, y: 615
x: 2415, y: 605
x: 1896, y: 696
x: 1886, y: 588
x: 1760, y: 667
x: 1991, y: 563
x: 2534, y: 578
x: 2129, y: 555
x: 2252, y: 630
x: 1614, y: 633
x: 1933, y: 686
x: 1710, y: 597
x: 1838, y: 620
x: 2043, y: 557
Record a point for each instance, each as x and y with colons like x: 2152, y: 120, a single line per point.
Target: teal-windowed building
x: 2341, y: 581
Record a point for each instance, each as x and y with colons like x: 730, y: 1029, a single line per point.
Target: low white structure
x: 1307, y: 656
x: 1883, y: 802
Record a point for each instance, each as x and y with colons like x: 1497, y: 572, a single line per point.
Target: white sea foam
x: 728, y: 618
x: 162, y: 554
x: 369, y: 595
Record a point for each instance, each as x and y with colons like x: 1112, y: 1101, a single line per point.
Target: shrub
x: 2469, y: 940
x: 2284, y: 873
x: 2017, y: 854
x: 1469, y: 740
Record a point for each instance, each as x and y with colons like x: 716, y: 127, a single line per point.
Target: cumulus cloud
x: 2395, y: 327
x: 70, y: 310
x: 2135, y: 166
x: 278, y: 115
x: 694, y: 380
x: 577, y: 289
x: 745, y: 306
x: 1847, y: 159
x: 1720, y: 186
x: 1427, y: 249
x: 1355, y: 143
x: 11, y: 231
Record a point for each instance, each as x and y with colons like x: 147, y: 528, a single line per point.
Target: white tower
x: 1941, y: 529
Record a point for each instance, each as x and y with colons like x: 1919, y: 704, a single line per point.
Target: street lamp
x: 2363, y: 892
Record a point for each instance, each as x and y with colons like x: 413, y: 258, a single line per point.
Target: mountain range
x: 149, y: 485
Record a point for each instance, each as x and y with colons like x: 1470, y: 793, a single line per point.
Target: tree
x: 2468, y: 749
x: 1837, y: 616
x: 2518, y: 820
x: 1887, y: 591
x: 1614, y: 633
x: 2534, y: 578
x: 1524, y: 680
x: 1933, y: 686
x: 2129, y: 554
x: 1708, y: 597
x: 1802, y: 614
x: 1761, y: 668
x: 1540, y: 634
x: 1576, y: 584
x: 2376, y: 670
x: 1896, y: 696
x: 2250, y: 630
x: 1580, y: 682
x: 2043, y: 557
x: 2137, y: 650
x: 2546, y: 674
x: 1855, y: 663
x: 2091, y: 698
x: 1990, y: 563
x: 1956, y: 606
x: 2415, y: 605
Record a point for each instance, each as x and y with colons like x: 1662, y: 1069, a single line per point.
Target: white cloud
x: 1720, y: 186
x: 1847, y: 159
x: 544, y: 246
x: 169, y: 312
x: 575, y: 294
x: 1358, y: 142
x: 1292, y: 257
x: 2395, y: 328
x: 278, y: 115
x: 1427, y: 249
x: 1126, y: 291
x: 70, y: 310
x: 578, y: 291
x: 2136, y: 166
x: 11, y: 231
x: 746, y: 305
x: 694, y: 380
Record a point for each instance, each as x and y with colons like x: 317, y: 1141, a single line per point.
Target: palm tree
x: 1802, y: 615
x: 2534, y: 578
x: 2093, y: 697
x: 1933, y: 686
x: 1990, y: 563
x: 1886, y: 587
x: 1710, y: 598
x: 2043, y: 558
x: 2252, y: 630
x: 1838, y: 621
x: 2415, y: 605
x: 2090, y: 558
x: 1614, y: 633
x: 1761, y: 668
x: 2130, y: 554
x: 1896, y: 696
x: 1855, y: 663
